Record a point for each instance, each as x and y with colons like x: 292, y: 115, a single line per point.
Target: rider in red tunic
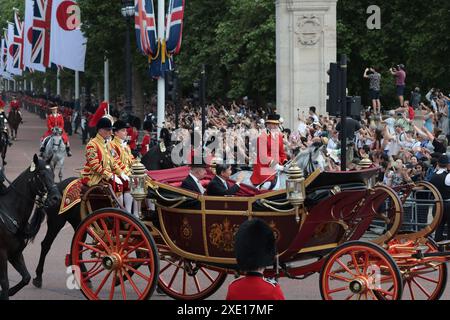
x: 270, y: 153
x: 55, y: 119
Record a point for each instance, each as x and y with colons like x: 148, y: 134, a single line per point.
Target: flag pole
x: 58, y: 82
x: 161, y: 80
x: 106, y: 80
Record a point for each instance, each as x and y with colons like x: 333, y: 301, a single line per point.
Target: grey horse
x: 55, y: 151
x: 308, y: 160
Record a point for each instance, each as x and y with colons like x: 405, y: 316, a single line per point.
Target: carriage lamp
x: 137, y: 186
x: 295, y: 186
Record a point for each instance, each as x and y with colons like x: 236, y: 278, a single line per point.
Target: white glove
x: 117, y: 180
x: 279, y: 167
x: 124, y: 177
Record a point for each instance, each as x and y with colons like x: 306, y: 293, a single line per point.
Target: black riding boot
x: 41, y: 151
x: 69, y: 154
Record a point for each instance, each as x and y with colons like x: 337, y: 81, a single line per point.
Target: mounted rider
x: 4, y: 122
x: 271, y: 155
x: 55, y: 119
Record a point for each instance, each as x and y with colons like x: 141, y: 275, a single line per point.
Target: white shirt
x: 197, y: 182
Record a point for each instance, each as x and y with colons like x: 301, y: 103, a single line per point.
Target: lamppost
x: 128, y: 14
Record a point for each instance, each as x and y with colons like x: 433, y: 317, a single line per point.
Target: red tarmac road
x: 55, y: 275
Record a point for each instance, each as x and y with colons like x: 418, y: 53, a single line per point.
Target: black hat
x: 254, y: 245
x: 273, y: 118
x: 104, y: 123
x: 148, y: 125
x: 443, y: 160
x: 119, y: 125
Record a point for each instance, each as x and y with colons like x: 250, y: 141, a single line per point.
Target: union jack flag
x: 18, y: 43
x: 40, y: 45
x: 174, y: 26
x: 145, y: 25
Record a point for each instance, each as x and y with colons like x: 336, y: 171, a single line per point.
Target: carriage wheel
x: 360, y: 271
x: 111, y: 245
x: 425, y: 282
x: 182, y: 279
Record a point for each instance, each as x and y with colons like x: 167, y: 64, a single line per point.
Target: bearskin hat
x: 254, y: 245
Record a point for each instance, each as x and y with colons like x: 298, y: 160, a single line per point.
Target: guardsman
x: 255, y: 250
x: 55, y: 119
x: 102, y: 164
x: 4, y: 122
x: 147, y: 139
x: 271, y: 155
x: 124, y: 160
x: 441, y: 180
x: 133, y: 135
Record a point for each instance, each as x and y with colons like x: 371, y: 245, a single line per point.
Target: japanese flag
x: 67, y: 43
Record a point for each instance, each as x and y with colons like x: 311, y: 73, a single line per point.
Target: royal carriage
x: 339, y: 224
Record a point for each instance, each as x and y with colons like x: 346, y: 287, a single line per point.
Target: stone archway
x: 306, y: 45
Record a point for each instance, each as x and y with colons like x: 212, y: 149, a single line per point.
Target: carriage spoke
x: 345, y: 267
x: 372, y: 295
x: 338, y: 277
x: 117, y: 229
x: 113, y: 286
x: 184, y: 281
x: 140, y: 274
x: 175, y: 274
x: 107, y: 234
x: 89, y: 247
x: 338, y: 290
x: 135, y: 248
x: 122, y: 285
x: 95, y: 235
x: 384, y: 292
x: 133, y: 284
x: 197, y: 284
x: 355, y: 263
x: 92, y: 275
x: 350, y: 297
x: 90, y: 261
x: 411, y: 290
x: 421, y: 288
x: 143, y: 261
x: 426, y: 278
x: 125, y: 243
x: 207, y: 274
x: 100, y: 287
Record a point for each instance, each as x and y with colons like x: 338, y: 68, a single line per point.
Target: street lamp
x: 128, y: 13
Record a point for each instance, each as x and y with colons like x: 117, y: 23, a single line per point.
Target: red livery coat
x: 275, y: 152
x: 55, y: 121
x: 254, y: 287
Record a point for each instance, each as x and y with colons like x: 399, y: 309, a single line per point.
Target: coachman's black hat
x: 273, y: 118
x: 119, y: 125
x: 104, y: 123
x: 254, y: 245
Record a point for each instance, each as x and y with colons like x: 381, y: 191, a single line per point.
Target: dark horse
x: 35, y: 186
x: 159, y: 157
x: 55, y: 222
x: 3, y: 146
x: 14, y: 120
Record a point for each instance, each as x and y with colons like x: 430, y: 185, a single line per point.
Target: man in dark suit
x: 219, y: 186
x: 192, y: 182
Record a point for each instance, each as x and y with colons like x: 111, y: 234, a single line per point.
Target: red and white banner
x: 67, y: 42
x: 11, y: 62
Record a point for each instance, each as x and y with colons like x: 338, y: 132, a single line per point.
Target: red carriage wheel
x: 183, y: 279
x: 424, y: 281
x: 110, y: 246
x: 360, y: 271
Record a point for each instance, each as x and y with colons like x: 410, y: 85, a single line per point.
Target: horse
x: 35, y: 186
x: 308, y: 160
x: 55, y: 223
x: 55, y: 151
x: 3, y: 146
x: 14, y: 120
x: 158, y: 157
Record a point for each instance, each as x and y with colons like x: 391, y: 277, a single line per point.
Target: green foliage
x: 236, y: 41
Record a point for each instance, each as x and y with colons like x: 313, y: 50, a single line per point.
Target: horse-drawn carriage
x: 340, y: 225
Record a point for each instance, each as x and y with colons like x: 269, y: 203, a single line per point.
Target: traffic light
x: 197, y: 94
x: 333, y: 105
